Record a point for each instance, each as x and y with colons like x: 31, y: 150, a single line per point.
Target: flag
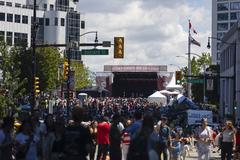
x: 191, y: 28
x: 193, y: 41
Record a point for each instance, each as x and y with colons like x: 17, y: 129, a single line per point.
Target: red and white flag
x: 191, y: 27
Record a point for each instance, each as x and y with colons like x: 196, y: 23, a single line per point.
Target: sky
x: 155, y: 31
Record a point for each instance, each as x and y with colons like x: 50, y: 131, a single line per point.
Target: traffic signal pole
x: 33, y: 57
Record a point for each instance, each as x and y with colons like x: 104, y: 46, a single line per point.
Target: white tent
x: 172, y: 84
x: 158, y: 98
x: 165, y: 92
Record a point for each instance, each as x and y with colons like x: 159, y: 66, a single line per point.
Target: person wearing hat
x: 203, y: 135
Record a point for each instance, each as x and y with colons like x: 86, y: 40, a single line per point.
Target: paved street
x: 193, y: 155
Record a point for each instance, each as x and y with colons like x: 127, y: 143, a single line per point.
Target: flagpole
x: 189, y: 63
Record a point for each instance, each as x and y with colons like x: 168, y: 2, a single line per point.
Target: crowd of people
x: 119, y: 129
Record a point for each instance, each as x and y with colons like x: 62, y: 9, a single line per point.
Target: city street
x: 194, y: 155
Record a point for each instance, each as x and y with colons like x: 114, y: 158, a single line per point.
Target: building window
x: 235, y: 6
x: 18, y: 5
x: 222, y: 26
x: 231, y: 24
x: 222, y: 16
x: 45, y: 6
x: 40, y: 21
x: 9, y: 38
x: 47, y: 21
x: 20, y: 39
x: 2, y: 3
x: 82, y: 24
x: 10, y: 17
x: 56, y: 21
x: 220, y: 35
x: 25, y: 19
x: 2, y: 16
x: 222, y: 6
x: 9, y: 4
x: 17, y: 18
x: 62, y: 22
x: 51, y: 7
x: 2, y: 35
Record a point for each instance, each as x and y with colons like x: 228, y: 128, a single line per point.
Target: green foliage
x: 81, y: 75
x: 48, y: 61
x: 12, y: 86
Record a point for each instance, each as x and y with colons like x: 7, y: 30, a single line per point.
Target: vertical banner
x: 210, y: 86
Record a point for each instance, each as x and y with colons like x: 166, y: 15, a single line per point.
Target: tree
x: 197, y: 66
x: 48, y: 61
x: 81, y: 75
x: 12, y: 86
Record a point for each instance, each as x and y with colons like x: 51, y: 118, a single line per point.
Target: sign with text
x: 94, y: 51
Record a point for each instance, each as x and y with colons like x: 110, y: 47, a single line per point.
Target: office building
x: 224, y: 14
x: 58, y: 22
x: 230, y: 74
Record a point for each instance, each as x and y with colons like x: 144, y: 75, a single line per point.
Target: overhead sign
x: 94, y: 51
x: 135, y: 68
x: 196, y: 81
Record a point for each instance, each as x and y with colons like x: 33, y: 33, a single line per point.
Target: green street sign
x: 94, y: 51
x: 199, y: 81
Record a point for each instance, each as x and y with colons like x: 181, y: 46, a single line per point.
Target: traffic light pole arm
x: 65, y: 45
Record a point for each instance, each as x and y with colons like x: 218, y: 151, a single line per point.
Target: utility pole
x: 68, y: 77
x: 189, y: 86
x: 33, y: 56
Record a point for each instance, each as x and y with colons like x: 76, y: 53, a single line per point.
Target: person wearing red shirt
x: 237, y: 143
x: 103, y: 138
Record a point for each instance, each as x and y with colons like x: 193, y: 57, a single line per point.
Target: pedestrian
x: 27, y: 142
x: 164, y: 138
x: 237, y: 156
x: 115, y: 139
x: 135, y: 127
x: 125, y: 141
x: 228, y: 141
x: 144, y: 146
x: 175, y: 147
x: 7, y: 141
x: 93, y: 130
x: 77, y: 138
x: 203, y: 135
x: 103, y: 138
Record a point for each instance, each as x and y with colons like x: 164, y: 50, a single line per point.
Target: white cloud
x: 155, y: 31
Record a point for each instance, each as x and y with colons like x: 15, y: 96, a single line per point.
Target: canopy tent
x: 158, y: 98
x: 172, y: 84
x: 165, y: 92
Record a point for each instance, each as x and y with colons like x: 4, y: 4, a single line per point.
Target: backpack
x: 138, y: 149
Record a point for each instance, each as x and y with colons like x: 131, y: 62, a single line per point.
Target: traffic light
x: 65, y: 69
x: 36, y: 85
x: 118, y: 47
x: 178, y: 77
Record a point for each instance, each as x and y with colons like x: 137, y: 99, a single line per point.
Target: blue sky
x: 155, y: 31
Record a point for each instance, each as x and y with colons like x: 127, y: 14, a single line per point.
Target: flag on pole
x: 193, y: 41
x: 191, y: 27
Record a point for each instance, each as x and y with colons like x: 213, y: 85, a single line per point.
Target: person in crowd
x: 145, y: 145
x: 175, y: 147
x: 164, y: 138
x: 58, y: 143
x: 103, y: 138
x: 77, y: 138
x: 93, y: 130
x: 125, y: 140
x: 237, y: 156
x: 204, y: 140
x: 27, y: 142
x: 115, y: 139
x: 7, y: 141
x: 228, y: 141
x: 49, y: 137
x: 135, y: 127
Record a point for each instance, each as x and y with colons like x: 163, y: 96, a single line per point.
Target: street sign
x: 195, y: 81
x: 94, y: 51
